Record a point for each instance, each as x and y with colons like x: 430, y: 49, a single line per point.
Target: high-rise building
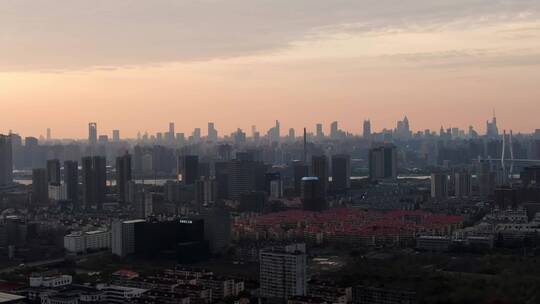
x: 116, y: 135
x: 334, y: 130
x: 319, y: 131
x: 463, y: 184
x: 439, y: 186
x: 92, y: 134
x: 171, y: 134
x: 383, y: 162
x: 341, y: 172
x: 94, y: 180
x: 283, y: 271
x: 123, y: 176
x: 242, y: 177
x: 71, y: 180
x: 292, y: 135
x: 367, y: 129
x: 301, y: 170
x: 319, y: 168
x: 492, y: 131
x: 486, y: 179
x: 212, y: 132
x: 189, y: 168
x: 312, y: 194
x: 217, y: 228
x: 196, y: 136
x: 6, y: 160
x: 123, y: 237
x: 40, y: 187
x: 49, y: 136
x: 53, y: 172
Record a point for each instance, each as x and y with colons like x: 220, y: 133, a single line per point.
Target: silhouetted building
x: 40, y: 187
x: 341, y: 172
x: 312, y: 196
x: 383, y: 162
x: 6, y: 160
x: 463, y: 184
x: 319, y: 168
x: 53, y: 172
x: 94, y: 180
x: 189, y: 169
x: 92, y: 134
x: 71, y: 181
x: 439, y: 186
x: 301, y: 170
x: 367, y: 129
x: 123, y: 175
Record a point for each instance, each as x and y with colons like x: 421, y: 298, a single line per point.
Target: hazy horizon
x: 137, y: 65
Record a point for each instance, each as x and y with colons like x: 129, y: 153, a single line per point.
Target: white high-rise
x: 283, y: 271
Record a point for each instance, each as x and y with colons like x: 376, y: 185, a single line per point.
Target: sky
x: 136, y: 65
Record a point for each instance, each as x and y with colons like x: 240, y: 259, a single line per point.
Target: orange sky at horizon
x: 451, y: 72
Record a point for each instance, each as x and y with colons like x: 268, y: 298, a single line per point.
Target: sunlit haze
x: 137, y: 65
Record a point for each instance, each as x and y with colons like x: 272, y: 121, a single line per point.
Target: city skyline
x: 444, y: 62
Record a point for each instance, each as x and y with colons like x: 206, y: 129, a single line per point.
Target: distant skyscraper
x: 301, y: 170
x: 312, y: 194
x: 212, y: 132
x: 6, y: 160
x: 383, y: 162
x: 40, y: 187
x: 189, y: 168
x: 71, y: 180
x: 94, y: 179
x: 492, y: 131
x: 116, y: 135
x: 92, y: 134
x: 439, y: 186
x: 319, y: 168
x: 463, y: 184
x: 171, y: 134
x: 367, y: 129
x: 341, y: 172
x: 292, y: 135
x: 53, y: 172
x: 49, y: 137
x: 319, y: 132
x: 334, y: 130
x: 283, y: 271
x: 196, y: 135
x: 123, y: 175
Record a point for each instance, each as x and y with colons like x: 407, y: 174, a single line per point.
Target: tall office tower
x: 31, y: 146
x: 312, y: 194
x: 292, y: 135
x: 123, y: 176
x: 6, y: 160
x: 463, y: 183
x: 53, y: 172
x: 243, y: 177
x: 180, y: 139
x: 277, y: 133
x: 283, y: 271
x: 383, y: 162
x: 217, y: 228
x: 300, y: 170
x: 123, y: 237
x: 492, y: 131
x: 439, y: 186
x: 40, y: 187
x: 341, y: 172
x: 486, y: 179
x: 94, y: 180
x: 319, y: 131
x: 212, y: 132
x: 319, y: 168
x: 367, y: 129
x: 71, y: 180
x: 196, y: 136
x: 171, y: 134
x: 92, y: 134
x: 17, y: 151
x: 188, y: 167
x: 334, y: 130
x: 49, y: 137
x: 116, y: 135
